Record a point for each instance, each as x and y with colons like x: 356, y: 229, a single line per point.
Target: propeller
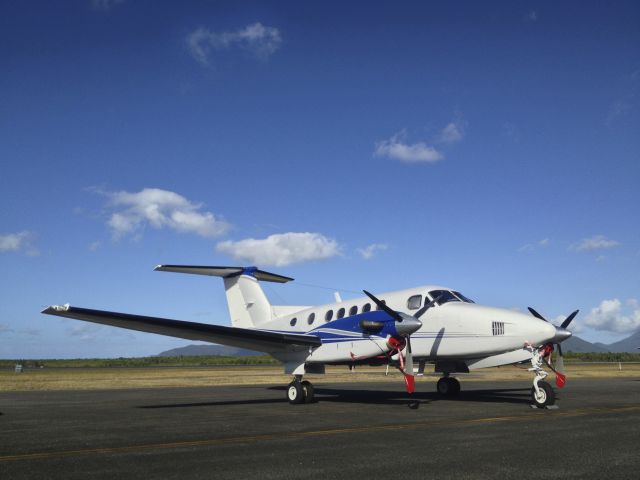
x: 405, y: 326
x: 561, y: 335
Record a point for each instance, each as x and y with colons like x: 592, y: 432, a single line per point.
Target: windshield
x: 443, y: 296
x: 463, y: 298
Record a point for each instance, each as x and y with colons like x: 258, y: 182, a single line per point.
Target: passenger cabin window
x: 340, y: 313
x: 353, y: 311
x: 414, y: 302
x: 328, y: 316
x: 293, y: 322
x: 366, y: 308
x: 445, y: 296
x: 311, y: 318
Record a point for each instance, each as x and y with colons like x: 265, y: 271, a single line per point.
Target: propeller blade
x: 408, y: 361
x: 383, y: 306
x: 427, y: 306
x: 407, y: 368
x: 561, y: 378
x: 536, y: 314
x: 410, y: 383
x: 559, y: 365
x: 568, y: 320
x: 401, y: 358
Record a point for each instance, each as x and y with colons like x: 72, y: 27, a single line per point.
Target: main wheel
x: 545, y: 395
x: 307, y: 388
x: 448, y: 386
x: 454, y: 387
x: 295, y: 392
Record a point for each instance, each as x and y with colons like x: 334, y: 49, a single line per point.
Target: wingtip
x: 53, y: 309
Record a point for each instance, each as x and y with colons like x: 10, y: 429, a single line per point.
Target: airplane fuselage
x: 455, y: 329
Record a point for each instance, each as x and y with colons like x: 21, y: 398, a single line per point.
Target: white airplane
x: 424, y: 324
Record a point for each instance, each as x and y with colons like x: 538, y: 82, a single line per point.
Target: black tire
x: 307, y: 388
x: 443, y: 386
x: 546, y: 396
x: 448, y: 386
x: 454, y: 389
x: 295, y: 393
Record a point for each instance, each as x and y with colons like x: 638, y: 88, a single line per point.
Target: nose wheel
x: 544, y: 395
x: 448, y: 387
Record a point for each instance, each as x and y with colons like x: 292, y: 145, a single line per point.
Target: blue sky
x: 491, y: 147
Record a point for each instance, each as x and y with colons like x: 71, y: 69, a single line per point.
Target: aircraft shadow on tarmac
x: 382, y: 397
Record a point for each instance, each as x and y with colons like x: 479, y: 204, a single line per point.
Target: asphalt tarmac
x: 358, y: 431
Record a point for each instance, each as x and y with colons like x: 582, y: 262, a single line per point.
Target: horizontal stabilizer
x: 259, y: 340
x: 224, y: 272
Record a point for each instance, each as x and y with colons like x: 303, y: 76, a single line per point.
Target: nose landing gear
x: 542, y: 393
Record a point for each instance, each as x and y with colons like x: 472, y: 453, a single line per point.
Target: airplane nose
x: 561, y: 335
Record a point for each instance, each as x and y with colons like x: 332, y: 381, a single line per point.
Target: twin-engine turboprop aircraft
x: 402, y: 328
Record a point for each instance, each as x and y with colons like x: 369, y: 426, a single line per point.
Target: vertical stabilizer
x: 248, y: 306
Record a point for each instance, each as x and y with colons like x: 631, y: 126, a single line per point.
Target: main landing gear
x: 448, y: 386
x: 300, y: 391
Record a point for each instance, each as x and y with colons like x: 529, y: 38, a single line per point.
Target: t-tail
x: 248, y: 305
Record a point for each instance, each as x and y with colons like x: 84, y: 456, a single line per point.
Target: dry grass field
x: 150, y: 377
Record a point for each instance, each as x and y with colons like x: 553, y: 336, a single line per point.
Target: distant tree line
x: 196, y: 361
x: 218, y: 360
x: 601, y: 357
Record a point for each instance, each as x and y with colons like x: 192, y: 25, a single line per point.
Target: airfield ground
x: 152, y: 377
x: 360, y: 427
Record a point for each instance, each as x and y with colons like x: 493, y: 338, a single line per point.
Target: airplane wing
x: 258, y: 340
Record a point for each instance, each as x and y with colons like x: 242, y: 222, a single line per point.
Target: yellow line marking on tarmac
x: 312, y: 433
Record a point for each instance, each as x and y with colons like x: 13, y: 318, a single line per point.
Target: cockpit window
x: 463, y: 298
x: 445, y: 296
x: 414, y: 302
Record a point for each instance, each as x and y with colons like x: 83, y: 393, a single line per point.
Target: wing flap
x: 258, y: 340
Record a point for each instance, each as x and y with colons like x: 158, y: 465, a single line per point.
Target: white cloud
x: 94, y: 246
x: 281, y: 249
x: 160, y: 208
x: 452, y: 133
x: 4, y: 328
x: 257, y: 39
x: 597, y: 242
x: 369, y: 252
x: 611, y: 316
x: 13, y: 242
x: 530, y: 247
x: 18, y: 242
x: 396, y: 149
x: 532, y: 16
